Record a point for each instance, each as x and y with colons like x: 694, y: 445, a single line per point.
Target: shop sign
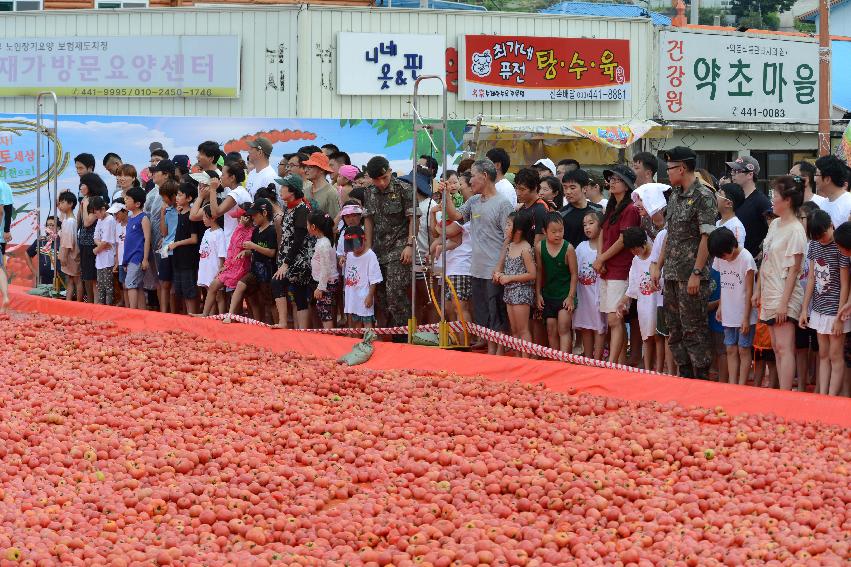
x: 144, y: 66
x: 503, y: 67
x: 389, y: 63
x: 737, y: 78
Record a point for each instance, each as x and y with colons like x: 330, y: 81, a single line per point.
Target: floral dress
x: 299, y: 270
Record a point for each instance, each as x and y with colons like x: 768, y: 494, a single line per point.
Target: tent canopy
x: 609, y: 133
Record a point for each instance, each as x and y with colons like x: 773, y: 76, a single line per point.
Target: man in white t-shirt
x: 259, y: 151
x: 500, y: 159
x: 830, y: 182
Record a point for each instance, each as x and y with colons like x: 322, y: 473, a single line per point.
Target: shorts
x: 611, y: 292
x: 806, y: 339
x: 488, y: 307
x: 325, y: 306
x: 823, y: 324
x: 370, y: 319
x: 771, y: 322
x: 463, y: 286
x: 253, y: 286
x: 165, y: 273
x: 847, y: 351
x: 88, y: 270
x: 122, y: 275
x: 661, y: 322
x: 552, y: 308
x: 185, y: 284
x: 133, y: 276
x: 300, y: 295
x: 279, y: 288
x: 734, y: 337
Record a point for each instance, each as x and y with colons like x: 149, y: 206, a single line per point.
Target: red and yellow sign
x: 502, y: 67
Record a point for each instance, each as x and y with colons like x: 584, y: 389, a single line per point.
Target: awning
x: 609, y: 133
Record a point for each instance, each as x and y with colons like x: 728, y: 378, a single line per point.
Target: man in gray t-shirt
x: 487, y: 212
x: 488, y: 218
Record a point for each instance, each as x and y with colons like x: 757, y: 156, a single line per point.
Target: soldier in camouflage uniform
x: 692, y: 211
x: 388, y: 213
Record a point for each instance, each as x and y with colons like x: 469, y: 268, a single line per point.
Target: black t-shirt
x: 187, y: 257
x: 45, y: 270
x: 263, y: 267
x: 573, y: 229
x: 752, y: 215
x: 538, y: 211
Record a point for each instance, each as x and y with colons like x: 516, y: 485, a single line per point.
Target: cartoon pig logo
x: 482, y: 63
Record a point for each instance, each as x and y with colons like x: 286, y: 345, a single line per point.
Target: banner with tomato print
x: 131, y: 136
x: 503, y: 67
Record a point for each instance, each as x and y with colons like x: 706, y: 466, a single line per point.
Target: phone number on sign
x: 158, y: 91
x: 754, y: 112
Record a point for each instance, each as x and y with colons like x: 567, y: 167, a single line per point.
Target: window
x: 118, y: 5
x: 19, y: 5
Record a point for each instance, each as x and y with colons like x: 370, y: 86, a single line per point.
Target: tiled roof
x: 432, y: 5
x: 607, y: 10
x: 811, y: 15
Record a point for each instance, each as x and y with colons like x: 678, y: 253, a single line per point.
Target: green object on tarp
x: 423, y: 338
x: 44, y: 290
x: 362, y: 351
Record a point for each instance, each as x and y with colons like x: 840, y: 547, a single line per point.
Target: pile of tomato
x: 162, y: 448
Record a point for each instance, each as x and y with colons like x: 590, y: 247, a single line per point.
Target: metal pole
x: 412, y: 320
x: 824, y: 80
x: 42, y: 131
x: 443, y: 331
x: 38, y: 128
x: 412, y: 323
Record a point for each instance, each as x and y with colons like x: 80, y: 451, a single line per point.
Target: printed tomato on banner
x: 544, y: 68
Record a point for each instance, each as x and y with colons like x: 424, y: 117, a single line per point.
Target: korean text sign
x: 737, y: 78
x: 389, y: 63
x: 501, y: 67
x: 148, y: 66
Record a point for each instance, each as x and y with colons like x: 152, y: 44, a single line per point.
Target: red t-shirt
x: 617, y: 268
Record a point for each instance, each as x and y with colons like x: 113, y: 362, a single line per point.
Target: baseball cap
x: 204, y: 177
x: 155, y: 146
x: 320, y: 160
x: 262, y: 144
x: 680, y: 153
x: 423, y: 176
x: 349, y: 172
x: 115, y: 207
x: 548, y: 163
x: 744, y: 163
x: 626, y: 174
x: 377, y: 166
x: 652, y: 197
x: 351, y: 210
x: 260, y: 206
x: 733, y: 192
x: 181, y: 160
x: 164, y: 166
x: 292, y: 181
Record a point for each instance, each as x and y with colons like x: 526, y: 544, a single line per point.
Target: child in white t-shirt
x: 105, y: 243
x: 641, y: 289
x: 737, y: 269
x: 728, y: 198
x: 362, y: 275
x: 211, y: 256
x: 119, y: 211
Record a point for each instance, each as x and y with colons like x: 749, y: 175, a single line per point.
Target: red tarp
x: 557, y: 376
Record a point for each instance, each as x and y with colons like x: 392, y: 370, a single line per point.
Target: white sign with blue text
x: 389, y: 63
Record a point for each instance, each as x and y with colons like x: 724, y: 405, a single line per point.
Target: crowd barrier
x: 555, y: 375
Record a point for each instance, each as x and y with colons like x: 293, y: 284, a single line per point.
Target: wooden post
x: 824, y: 80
